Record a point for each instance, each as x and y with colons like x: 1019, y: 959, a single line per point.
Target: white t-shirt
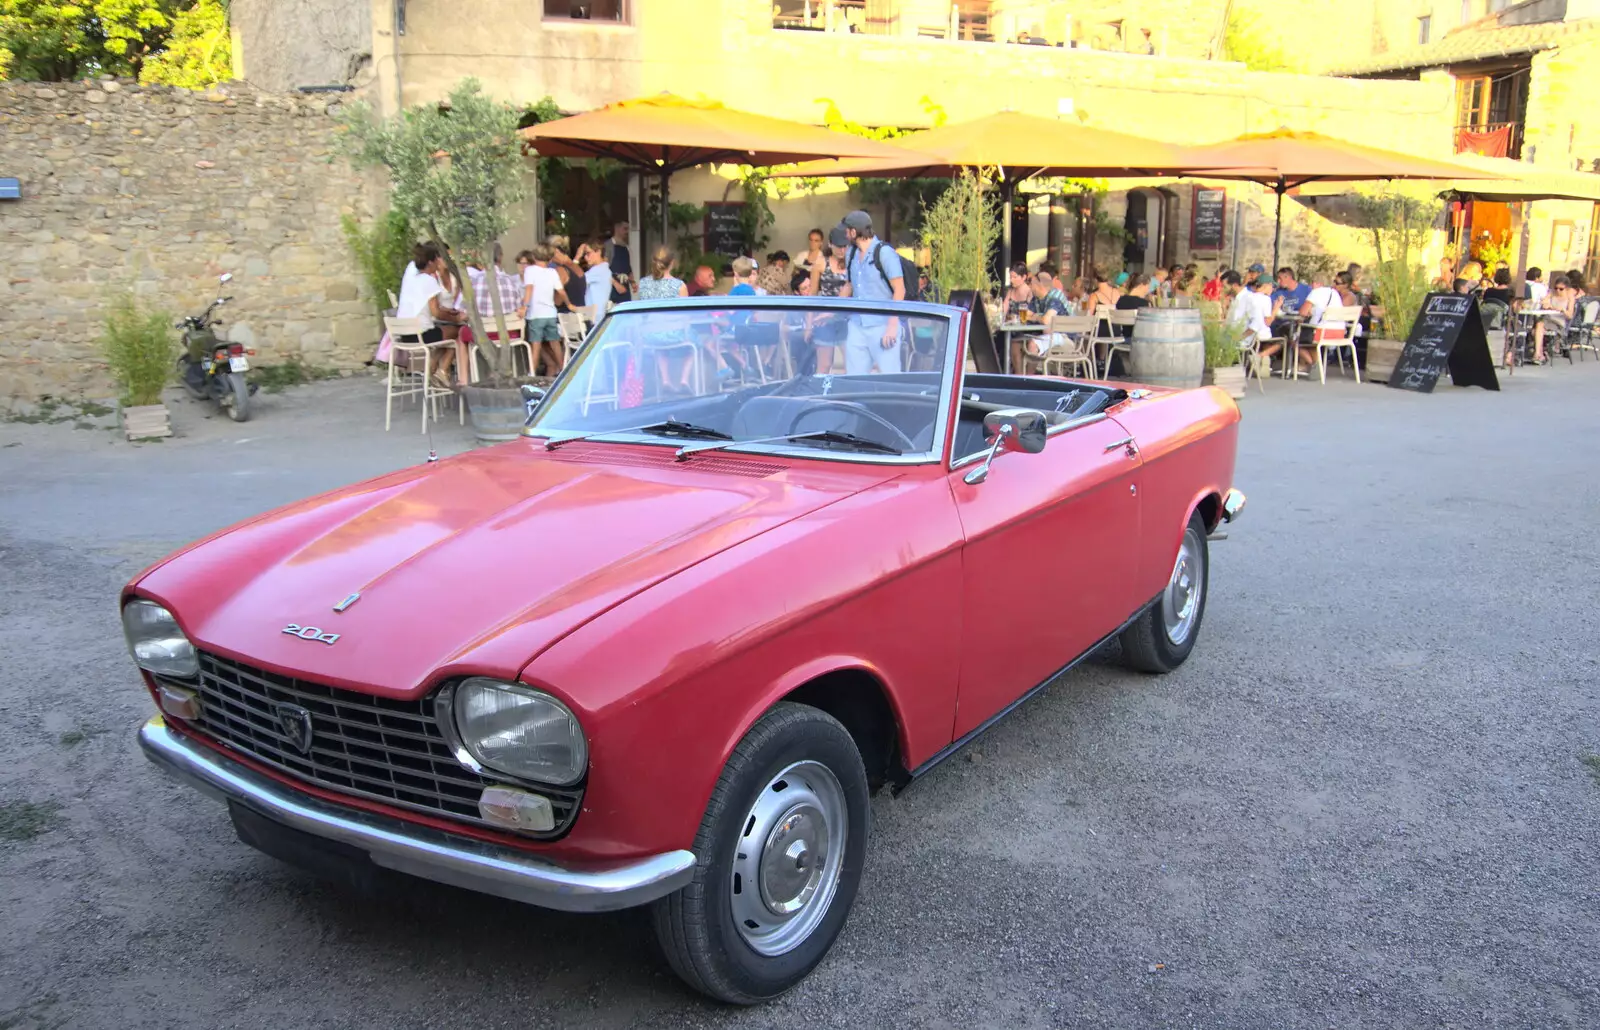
x: 415, y: 293
x: 597, y: 288
x: 1321, y: 299
x: 545, y: 282
x: 1537, y: 292
x: 1257, y: 310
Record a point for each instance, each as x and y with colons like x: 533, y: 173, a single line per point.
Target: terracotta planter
x: 146, y: 422
x: 1229, y: 378
x: 1381, y: 357
x: 497, y: 412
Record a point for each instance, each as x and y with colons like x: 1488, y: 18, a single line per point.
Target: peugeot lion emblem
x: 295, y: 722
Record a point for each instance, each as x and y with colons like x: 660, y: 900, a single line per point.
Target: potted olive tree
x: 141, y: 350
x: 456, y: 176
x: 1222, y: 351
x: 959, y: 229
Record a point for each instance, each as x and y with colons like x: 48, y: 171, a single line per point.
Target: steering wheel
x: 855, y: 409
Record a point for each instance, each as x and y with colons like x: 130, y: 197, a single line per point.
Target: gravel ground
x: 1363, y: 801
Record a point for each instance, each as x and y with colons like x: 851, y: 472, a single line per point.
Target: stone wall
x: 161, y: 190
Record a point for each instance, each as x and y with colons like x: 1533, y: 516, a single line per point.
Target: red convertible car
x: 662, y: 648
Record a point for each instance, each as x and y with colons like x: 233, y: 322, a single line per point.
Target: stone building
x: 1524, y: 78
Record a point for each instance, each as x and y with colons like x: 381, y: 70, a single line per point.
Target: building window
x: 615, y: 11
x: 1424, y: 24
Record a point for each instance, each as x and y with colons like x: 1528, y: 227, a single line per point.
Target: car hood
x: 475, y: 564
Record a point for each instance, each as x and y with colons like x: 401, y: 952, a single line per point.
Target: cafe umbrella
x: 663, y: 134
x: 1017, y: 146
x: 1284, y: 160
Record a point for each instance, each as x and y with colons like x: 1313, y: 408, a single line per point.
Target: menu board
x: 1447, y: 336
x: 724, y: 230
x: 1208, y: 218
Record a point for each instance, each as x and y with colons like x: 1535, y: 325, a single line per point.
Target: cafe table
x: 1006, y: 331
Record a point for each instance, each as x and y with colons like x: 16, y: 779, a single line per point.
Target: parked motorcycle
x: 211, y: 368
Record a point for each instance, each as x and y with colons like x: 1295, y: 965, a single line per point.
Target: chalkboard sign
x: 980, y: 339
x: 1447, y: 336
x: 1208, y: 219
x: 724, y: 231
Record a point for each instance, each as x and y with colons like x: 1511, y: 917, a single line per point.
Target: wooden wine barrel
x: 1168, y: 348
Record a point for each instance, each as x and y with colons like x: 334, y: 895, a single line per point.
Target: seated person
x: 1019, y: 295
x: 1287, y: 298
x: 1559, y: 305
x: 1047, y: 303
x: 1249, y: 312
x: 1138, y: 296
x: 426, y: 299
x: 704, y: 281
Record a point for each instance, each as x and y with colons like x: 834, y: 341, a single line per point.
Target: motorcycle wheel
x: 237, y: 401
x: 197, y: 392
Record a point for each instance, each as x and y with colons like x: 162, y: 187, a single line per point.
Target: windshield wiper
x: 820, y: 435
x: 671, y: 427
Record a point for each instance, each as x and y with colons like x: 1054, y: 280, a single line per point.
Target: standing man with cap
x: 872, y: 341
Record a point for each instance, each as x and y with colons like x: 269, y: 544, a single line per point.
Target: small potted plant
x: 141, y: 350
x: 1222, y: 352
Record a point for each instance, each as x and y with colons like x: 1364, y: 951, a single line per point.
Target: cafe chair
x: 1069, y: 345
x: 573, y: 334
x: 1334, y: 333
x: 1120, y: 344
x: 515, y: 343
x: 1580, y: 334
x: 1254, y: 362
x: 405, y: 343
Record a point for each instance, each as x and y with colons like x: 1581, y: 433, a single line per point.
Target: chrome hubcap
x: 787, y: 859
x: 1180, y: 603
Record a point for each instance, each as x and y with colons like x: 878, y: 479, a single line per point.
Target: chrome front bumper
x: 1233, y: 505
x: 418, y: 850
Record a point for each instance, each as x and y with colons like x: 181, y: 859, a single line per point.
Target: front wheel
x: 780, y: 853
x: 1160, y: 639
x: 237, y: 398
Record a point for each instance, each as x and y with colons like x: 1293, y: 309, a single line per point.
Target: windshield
x: 740, y: 374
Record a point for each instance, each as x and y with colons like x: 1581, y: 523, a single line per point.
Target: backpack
x: 911, y: 274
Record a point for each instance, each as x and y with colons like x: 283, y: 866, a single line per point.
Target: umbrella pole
x: 1277, y: 228
x: 666, y: 208
x: 1007, y: 190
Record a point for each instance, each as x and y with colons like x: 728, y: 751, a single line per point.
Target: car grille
x: 372, y: 747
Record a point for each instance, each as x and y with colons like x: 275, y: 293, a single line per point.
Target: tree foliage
x: 197, y: 54
x: 62, y: 40
x: 1250, y: 42
x: 455, y: 174
x: 140, y: 348
x: 382, y: 250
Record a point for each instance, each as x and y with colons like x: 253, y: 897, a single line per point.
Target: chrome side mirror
x: 531, y: 397
x: 1014, y: 429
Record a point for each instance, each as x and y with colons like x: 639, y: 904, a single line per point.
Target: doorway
x: 1145, y: 224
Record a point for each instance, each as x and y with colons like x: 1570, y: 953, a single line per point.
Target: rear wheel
x: 237, y: 398
x: 1160, y: 639
x: 779, y: 853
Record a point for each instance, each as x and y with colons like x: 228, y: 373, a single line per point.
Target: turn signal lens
x: 179, y: 703
x: 516, y: 809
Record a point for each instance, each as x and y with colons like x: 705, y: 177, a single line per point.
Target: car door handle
x: 1126, y: 441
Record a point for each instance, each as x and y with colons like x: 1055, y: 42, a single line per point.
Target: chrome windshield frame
x: 955, y: 355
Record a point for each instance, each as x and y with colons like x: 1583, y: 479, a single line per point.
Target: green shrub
x: 141, y: 348
x: 1222, y: 340
x: 382, y: 249
x: 1401, y: 288
x: 959, y: 229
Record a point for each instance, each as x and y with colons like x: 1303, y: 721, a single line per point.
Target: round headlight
x: 156, y: 642
x: 522, y: 732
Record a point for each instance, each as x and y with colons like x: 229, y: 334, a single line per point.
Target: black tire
x: 696, y: 925
x: 197, y: 392
x: 1147, y: 646
x: 237, y: 399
